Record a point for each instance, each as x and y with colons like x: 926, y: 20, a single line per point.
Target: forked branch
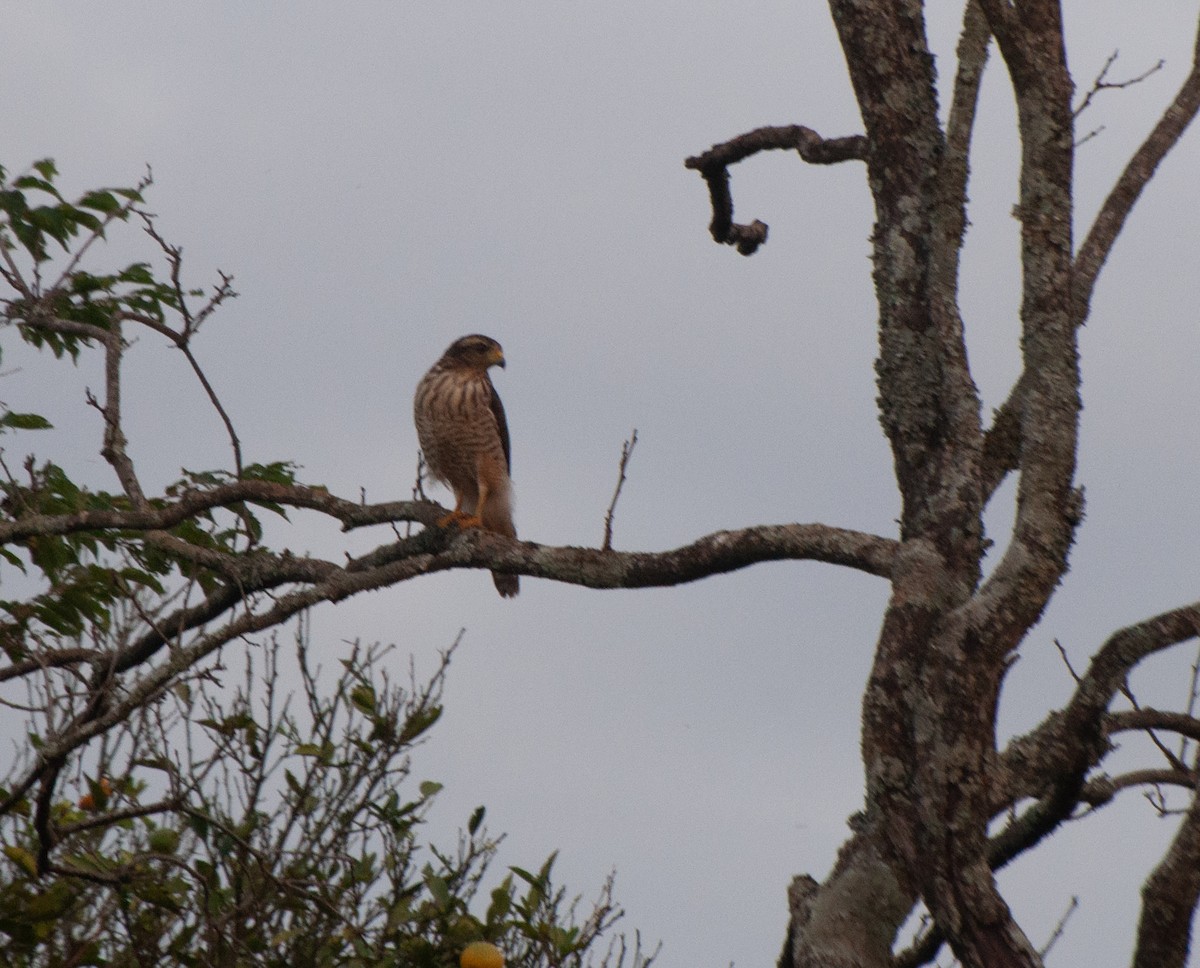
x: 1002, y: 442
x: 1129, y: 187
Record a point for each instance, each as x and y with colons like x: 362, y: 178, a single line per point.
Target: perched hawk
x: 463, y: 434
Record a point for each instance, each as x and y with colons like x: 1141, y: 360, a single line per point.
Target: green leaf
x: 501, y: 902
x: 138, y: 273
x: 26, y: 182
x: 22, y: 858
x: 363, y: 869
x: 51, y: 904
x: 279, y: 472
x: 200, y: 826
x: 439, y: 889
x: 295, y: 785
x: 46, y: 168
x: 476, y: 820
x: 158, y: 894
x: 430, y: 788
x: 135, y: 576
x: 363, y: 698
x: 102, y: 201
x: 164, y: 840
x: 419, y: 722
x: 544, y: 873
x: 156, y: 762
x: 25, y: 421
x: 322, y: 752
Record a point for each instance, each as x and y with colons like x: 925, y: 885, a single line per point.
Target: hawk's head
x: 474, y: 352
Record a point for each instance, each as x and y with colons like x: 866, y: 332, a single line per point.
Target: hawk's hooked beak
x: 496, y: 358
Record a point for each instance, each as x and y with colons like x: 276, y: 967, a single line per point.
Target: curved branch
x: 1072, y: 741
x: 1123, y: 650
x: 1169, y: 899
x: 1002, y: 442
x: 972, y: 56
x: 433, y: 549
x: 714, y: 554
x: 234, y: 441
x: 1022, y: 834
x: 49, y: 659
x: 1180, y: 723
x: 439, y: 550
x: 167, y: 515
x: 1150, y: 777
x: 1129, y: 187
x: 1031, y: 43
x: 192, y: 322
x: 713, y: 166
x: 1036, y: 823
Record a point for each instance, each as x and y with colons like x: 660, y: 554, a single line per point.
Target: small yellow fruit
x: 480, y: 954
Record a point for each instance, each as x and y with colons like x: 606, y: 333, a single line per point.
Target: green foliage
x: 38, y: 222
x: 283, y: 839
x: 82, y: 582
x: 23, y: 421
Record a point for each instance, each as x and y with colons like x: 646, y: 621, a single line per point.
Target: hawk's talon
x: 461, y: 518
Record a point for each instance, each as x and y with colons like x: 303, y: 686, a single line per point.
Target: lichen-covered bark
x: 934, y: 776
x: 1169, y: 900
x: 929, y: 709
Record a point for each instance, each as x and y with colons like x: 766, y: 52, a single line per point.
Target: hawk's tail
x: 506, y: 585
x: 497, y: 516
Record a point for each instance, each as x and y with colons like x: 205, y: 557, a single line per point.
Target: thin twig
x: 191, y: 323
x: 1067, y: 662
x: 216, y: 402
x: 1058, y: 930
x: 1102, y: 84
x: 626, y: 453
x: 418, y: 493
x: 1162, y: 747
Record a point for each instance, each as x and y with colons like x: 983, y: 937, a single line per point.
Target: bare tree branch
x: 713, y: 166
x: 1102, y: 83
x: 168, y: 514
x: 1059, y: 928
x: 1123, y: 650
x: 1169, y: 900
x: 222, y: 292
x: 1002, y: 442
x: 1179, y: 723
x: 1129, y: 187
x: 626, y: 453
x: 433, y: 550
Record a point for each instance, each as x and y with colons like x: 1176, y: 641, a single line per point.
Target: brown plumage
x: 464, y: 437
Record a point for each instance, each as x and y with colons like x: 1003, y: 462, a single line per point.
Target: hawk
x: 464, y: 437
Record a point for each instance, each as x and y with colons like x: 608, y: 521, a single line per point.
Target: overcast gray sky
x: 384, y: 177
